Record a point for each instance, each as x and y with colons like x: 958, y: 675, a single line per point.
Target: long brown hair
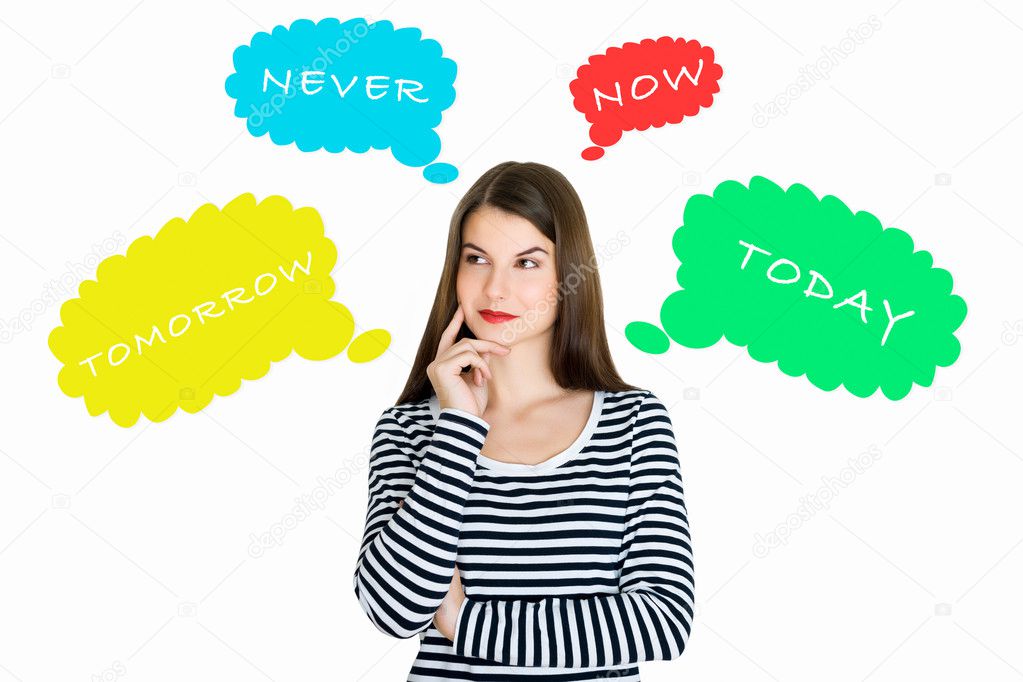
x: 580, y: 358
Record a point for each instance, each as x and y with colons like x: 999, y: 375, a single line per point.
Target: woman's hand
x: 447, y: 615
x: 466, y: 392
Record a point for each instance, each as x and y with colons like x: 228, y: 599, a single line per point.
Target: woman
x: 526, y: 511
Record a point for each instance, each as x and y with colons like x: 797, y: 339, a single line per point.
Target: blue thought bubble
x: 354, y: 85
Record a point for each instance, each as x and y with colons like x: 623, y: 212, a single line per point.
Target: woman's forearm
x: 408, y: 551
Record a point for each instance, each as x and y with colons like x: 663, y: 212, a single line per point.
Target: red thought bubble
x: 638, y: 85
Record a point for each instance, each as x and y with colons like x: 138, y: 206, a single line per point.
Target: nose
x: 496, y: 288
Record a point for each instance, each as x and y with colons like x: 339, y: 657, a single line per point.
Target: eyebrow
x: 535, y: 248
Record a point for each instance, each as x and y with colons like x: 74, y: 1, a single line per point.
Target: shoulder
x: 652, y: 439
x: 408, y: 419
x: 415, y: 411
x: 638, y: 405
x: 398, y: 434
x: 645, y: 415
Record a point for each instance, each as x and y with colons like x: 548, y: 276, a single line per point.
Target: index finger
x: 447, y: 337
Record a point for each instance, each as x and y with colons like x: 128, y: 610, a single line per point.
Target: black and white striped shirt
x: 577, y: 568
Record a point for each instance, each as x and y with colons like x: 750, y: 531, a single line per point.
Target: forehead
x: 498, y: 231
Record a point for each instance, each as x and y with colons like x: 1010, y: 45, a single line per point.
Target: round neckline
x: 550, y: 463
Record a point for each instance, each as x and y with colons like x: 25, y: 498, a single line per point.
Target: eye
x: 469, y: 259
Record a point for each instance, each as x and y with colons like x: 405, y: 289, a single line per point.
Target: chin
x: 495, y: 336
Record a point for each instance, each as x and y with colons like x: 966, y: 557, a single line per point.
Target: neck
x: 522, y: 377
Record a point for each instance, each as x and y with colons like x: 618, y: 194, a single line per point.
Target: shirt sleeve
x: 648, y: 619
x: 407, y: 556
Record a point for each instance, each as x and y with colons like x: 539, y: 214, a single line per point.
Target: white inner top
x: 546, y: 465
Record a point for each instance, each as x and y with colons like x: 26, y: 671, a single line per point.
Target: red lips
x: 495, y: 317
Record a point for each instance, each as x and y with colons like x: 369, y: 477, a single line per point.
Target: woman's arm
x: 651, y: 616
x: 408, y: 553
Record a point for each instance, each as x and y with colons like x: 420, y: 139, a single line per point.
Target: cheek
x: 461, y: 290
x: 542, y: 295
x: 469, y: 275
x: 463, y: 282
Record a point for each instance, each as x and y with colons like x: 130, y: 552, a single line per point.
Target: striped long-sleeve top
x: 577, y: 568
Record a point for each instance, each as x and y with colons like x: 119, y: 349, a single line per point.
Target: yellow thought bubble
x: 210, y: 301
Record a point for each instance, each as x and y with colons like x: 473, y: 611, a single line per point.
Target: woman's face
x: 506, y: 266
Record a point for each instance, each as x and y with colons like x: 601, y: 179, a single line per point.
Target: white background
x: 124, y: 552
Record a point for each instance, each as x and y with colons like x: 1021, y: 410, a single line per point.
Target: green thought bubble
x: 809, y: 284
